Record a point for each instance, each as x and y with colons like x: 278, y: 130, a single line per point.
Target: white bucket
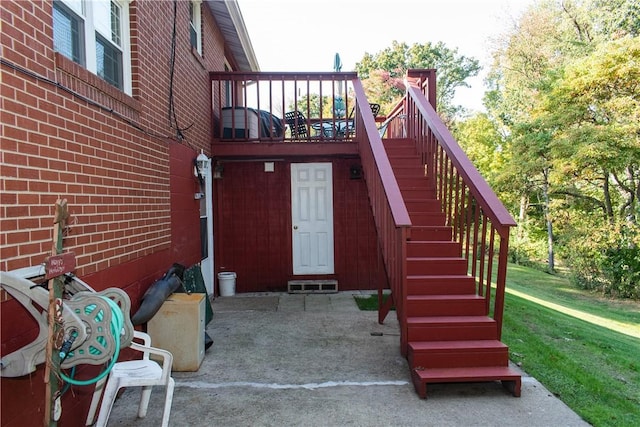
x: 227, y: 283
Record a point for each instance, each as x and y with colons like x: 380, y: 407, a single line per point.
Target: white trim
x: 195, y: 22
x: 85, y: 12
x: 207, y: 264
x: 125, y: 22
x: 243, y: 35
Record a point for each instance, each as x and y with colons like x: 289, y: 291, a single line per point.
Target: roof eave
x: 229, y: 18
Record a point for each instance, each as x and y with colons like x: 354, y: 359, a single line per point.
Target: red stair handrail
x: 470, y: 205
x: 389, y: 211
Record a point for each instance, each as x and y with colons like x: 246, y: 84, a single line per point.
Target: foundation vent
x: 312, y: 286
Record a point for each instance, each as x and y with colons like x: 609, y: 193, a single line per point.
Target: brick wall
x: 68, y: 134
x: 113, y: 167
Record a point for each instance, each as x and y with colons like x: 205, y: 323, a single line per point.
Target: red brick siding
x: 114, y: 178
x: 126, y: 176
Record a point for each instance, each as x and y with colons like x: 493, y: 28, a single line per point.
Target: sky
x: 305, y: 35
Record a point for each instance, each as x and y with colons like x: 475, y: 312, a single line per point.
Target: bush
x: 621, y: 262
x: 607, y: 262
x: 529, y: 253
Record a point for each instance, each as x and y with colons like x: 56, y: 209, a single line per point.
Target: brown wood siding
x: 252, y: 227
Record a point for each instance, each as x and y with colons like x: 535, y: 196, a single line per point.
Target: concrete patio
x: 317, y: 360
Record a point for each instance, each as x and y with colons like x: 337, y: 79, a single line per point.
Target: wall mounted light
x: 202, y: 166
x: 355, y: 172
x: 217, y: 171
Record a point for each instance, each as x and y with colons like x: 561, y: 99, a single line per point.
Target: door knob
x: 295, y: 227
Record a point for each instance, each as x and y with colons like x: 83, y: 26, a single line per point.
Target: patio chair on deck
x: 345, y: 128
x: 375, y: 109
x: 297, y: 124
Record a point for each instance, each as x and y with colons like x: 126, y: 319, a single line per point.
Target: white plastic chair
x: 143, y: 373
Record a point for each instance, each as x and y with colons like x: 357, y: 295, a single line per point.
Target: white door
x: 312, y: 218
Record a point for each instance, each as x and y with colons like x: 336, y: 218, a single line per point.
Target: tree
x: 565, y: 94
x: 520, y: 75
x: 595, y: 105
x: 386, y: 70
x: 482, y: 143
x: 615, y: 18
x: 313, y: 105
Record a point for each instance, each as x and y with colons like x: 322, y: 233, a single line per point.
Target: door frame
x: 330, y: 266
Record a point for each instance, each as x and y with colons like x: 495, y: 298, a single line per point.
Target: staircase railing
x: 479, y: 220
x: 389, y: 211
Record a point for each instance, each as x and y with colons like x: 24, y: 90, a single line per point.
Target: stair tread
x: 439, y: 276
x: 457, y: 345
x: 449, y: 319
x: 467, y: 374
x: 419, y: 297
x: 435, y: 242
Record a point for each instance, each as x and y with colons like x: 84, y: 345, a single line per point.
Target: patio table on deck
x: 345, y: 128
x: 326, y: 128
x: 338, y: 128
x: 333, y: 128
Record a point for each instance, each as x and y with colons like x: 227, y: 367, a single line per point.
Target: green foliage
x: 528, y: 252
x: 607, y: 262
x: 565, y: 96
x: 386, y: 70
x: 313, y: 104
x: 621, y: 262
x: 595, y: 108
x: 483, y: 144
x: 616, y: 17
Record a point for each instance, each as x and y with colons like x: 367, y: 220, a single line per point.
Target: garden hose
x: 116, y: 324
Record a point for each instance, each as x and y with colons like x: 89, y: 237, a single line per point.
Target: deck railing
x: 253, y: 107
x: 479, y: 220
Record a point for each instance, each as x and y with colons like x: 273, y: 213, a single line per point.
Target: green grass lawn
x: 369, y: 302
x: 593, y: 369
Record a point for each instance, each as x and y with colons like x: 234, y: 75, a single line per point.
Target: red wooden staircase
x: 449, y: 334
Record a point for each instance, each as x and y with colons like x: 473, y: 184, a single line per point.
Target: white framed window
x: 195, y: 25
x: 95, y: 34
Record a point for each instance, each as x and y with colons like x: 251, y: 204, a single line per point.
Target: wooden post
x: 54, y: 272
